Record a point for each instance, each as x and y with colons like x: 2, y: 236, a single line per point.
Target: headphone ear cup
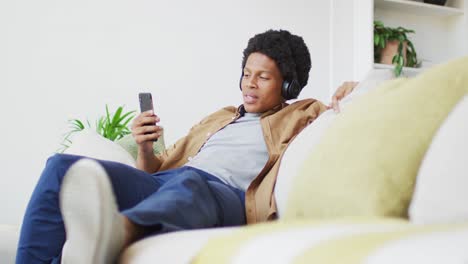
x: 294, y: 89
x: 290, y: 89
x: 285, y: 89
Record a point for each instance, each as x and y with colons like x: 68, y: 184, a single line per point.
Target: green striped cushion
x: 370, y: 241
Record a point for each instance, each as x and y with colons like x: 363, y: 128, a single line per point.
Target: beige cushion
x: 441, y: 194
x: 309, y: 137
x: 367, y: 162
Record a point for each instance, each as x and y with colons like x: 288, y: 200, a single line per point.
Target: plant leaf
x: 107, y: 115
x: 382, y: 43
x: 376, y: 40
x: 116, y: 118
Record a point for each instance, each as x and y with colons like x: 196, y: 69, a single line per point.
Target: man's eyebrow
x: 261, y: 71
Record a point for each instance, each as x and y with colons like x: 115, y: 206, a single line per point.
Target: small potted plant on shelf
x: 392, y: 46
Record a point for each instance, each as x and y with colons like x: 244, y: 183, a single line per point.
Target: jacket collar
x: 241, y: 110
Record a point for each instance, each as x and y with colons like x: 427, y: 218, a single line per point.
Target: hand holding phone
x: 146, y: 103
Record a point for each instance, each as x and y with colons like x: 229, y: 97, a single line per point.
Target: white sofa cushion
x: 298, y: 150
x: 89, y: 143
x: 441, y: 194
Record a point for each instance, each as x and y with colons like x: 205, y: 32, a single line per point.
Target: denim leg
x: 189, y: 199
x: 42, y: 232
x: 184, y: 198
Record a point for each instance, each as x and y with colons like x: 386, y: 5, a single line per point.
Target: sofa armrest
x: 89, y: 143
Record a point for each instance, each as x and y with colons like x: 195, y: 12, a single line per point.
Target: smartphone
x: 146, y: 103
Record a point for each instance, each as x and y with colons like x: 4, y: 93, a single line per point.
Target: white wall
x: 351, y: 40
x: 67, y: 59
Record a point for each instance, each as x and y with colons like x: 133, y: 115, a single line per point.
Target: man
x: 221, y: 174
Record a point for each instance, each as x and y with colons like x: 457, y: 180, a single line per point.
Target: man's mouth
x: 250, y: 98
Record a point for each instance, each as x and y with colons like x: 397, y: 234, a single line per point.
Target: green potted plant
x: 392, y: 46
x: 111, y: 126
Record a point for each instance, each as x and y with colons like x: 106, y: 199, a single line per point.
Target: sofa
x: 383, y: 181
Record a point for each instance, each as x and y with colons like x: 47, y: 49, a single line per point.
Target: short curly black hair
x: 288, y: 51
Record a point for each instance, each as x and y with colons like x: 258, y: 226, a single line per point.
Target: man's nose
x: 251, y: 82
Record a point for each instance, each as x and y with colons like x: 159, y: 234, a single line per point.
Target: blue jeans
x: 177, y: 199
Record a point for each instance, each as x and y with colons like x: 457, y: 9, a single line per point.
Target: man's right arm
x: 147, y: 161
x: 145, y: 132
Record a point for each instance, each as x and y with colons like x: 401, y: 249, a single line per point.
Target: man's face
x: 261, y: 84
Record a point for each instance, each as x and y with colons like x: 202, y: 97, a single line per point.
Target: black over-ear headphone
x: 289, y: 90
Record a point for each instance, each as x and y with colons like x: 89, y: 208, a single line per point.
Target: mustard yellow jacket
x: 280, y: 125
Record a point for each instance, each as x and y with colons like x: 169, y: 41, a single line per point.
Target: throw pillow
x: 441, y: 192
x: 311, y: 135
x: 366, y: 163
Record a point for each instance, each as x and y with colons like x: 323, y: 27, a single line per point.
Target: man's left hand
x: 342, y: 91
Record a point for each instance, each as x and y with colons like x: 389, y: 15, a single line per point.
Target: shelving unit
x: 441, y: 34
x: 418, y: 8
x: 441, y: 31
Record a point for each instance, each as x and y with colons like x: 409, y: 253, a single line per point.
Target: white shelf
x: 406, y: 70
x: 418, y: 8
